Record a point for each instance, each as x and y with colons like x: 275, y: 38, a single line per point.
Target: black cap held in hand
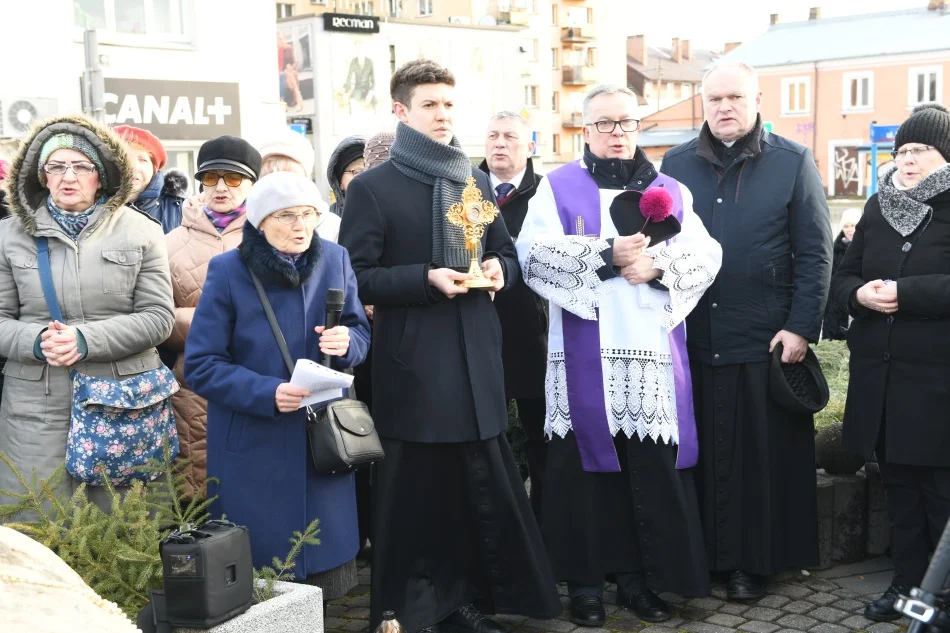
x: 334, y: 299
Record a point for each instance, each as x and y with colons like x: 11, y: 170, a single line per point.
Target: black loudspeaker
x: 208, y: 573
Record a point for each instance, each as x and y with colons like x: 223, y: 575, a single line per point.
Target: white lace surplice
x: 635, y: 321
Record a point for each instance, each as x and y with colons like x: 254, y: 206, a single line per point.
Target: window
x: 425, y: 7
x: 531, y: 96
x: 556, y: 144
x: 590, y: 15
x: 284, y: 10
x: 364, y: 7
x: 165, y: 19
x: 858, y: 91
x: 648, y: 89
x: 926, y: 84
x: 684, y: 91
x: 578, y: 144
x: 554, y: 15
x: 323, y: 2
x: 555, y: 53
x: 530, y: 48
x: 395, y: 8
x: 669, y: 89
x: 592, y: 57
x: 555, y: 101
x: 795, y: 95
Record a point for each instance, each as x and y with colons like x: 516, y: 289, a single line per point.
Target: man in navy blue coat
x: 451, y: 523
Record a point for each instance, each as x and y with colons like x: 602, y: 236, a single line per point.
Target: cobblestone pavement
x: 829, y: 601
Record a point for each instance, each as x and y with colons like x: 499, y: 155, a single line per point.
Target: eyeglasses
x: 607, y: 127
x: 291, y: 218
x: 231, y: 179
x: 355, y: 172
x: 913, y: 152
x: 59, y: 169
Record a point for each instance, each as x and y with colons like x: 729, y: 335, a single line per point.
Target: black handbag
x: 341, y: 433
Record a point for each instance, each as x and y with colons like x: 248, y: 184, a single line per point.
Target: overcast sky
x: 710, y: 23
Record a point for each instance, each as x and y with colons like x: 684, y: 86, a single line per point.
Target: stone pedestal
x: 847, y: 505
x: 826, y: 501
x: 295, y: 608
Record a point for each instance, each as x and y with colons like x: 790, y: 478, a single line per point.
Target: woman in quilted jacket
x: 227, y: 167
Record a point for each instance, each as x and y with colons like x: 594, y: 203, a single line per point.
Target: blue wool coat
x: 261, y: 458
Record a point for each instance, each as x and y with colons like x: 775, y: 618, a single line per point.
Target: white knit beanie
x: 292, y: 144
x: 278, y: 191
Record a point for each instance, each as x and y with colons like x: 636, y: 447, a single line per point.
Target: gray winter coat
x: 113, y: 285
x: 337, y: 203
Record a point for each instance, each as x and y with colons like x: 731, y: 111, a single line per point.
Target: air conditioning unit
x: 19, y: 114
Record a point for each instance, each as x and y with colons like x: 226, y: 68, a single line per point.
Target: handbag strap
x: 46, y: 278
x: 269, y: 311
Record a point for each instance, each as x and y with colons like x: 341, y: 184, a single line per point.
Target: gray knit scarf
x: 446, y: 168
x: 905, y: 210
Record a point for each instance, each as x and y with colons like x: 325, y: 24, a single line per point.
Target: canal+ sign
x: 174, y: 110
x: 350, y: 23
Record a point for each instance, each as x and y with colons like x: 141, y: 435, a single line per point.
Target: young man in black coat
x: 760, y: 196
x: 523, y: 314
x: 451, y: 523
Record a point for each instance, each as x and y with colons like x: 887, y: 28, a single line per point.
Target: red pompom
x: 656, y: 204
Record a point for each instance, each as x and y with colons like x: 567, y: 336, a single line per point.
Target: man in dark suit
x: 451, y: 523
x: 523, y: 314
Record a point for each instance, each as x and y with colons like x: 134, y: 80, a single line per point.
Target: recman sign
x: 350, y: 23
x: 174, y: 110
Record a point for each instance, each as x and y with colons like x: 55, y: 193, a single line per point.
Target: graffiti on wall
x: 846, y: 171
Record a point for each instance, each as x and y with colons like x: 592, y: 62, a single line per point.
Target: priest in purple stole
x: 619, y: 500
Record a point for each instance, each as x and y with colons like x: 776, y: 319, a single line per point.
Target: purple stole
x: 578, y: 198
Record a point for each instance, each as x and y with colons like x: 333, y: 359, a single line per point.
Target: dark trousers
x: 531, y: 412
x: 363, y: 385
x: 918, y: 506
x: 628, y: 584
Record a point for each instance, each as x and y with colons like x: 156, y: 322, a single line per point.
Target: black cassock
x: 756, y: 473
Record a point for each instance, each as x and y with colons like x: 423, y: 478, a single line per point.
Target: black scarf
x: 261, y: 258
x: 446, y: 168
x: 620, y: 173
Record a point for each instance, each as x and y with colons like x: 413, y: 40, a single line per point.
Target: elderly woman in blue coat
x: 257, y: 435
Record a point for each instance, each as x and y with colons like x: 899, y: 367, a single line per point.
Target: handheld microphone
x: 334, y: 305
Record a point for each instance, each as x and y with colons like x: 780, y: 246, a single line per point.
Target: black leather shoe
x: 882, y: 609
x: 588, y: 611
x: 468, y: 619
x: 745, y: 586
x: 647, y: 605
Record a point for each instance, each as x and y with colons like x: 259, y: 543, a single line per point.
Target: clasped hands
x: 878, y: 295
x: 635, y: 266
x: 60, y: 344
x: 333, y: 342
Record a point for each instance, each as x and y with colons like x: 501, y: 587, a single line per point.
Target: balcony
x: 518, y: 17
x: 573, y: 120
x: 578, y: 76
x: 578, y: 34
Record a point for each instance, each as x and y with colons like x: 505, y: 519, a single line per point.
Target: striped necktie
x: 504, y: 191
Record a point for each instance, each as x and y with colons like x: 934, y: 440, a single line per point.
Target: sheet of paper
x: 322, y: 382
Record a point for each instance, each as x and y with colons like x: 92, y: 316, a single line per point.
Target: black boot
x: 468, y: 619
x: 882, y: 609
x: 647, y: 605
x: 588, y: 610
x: 745, y: 586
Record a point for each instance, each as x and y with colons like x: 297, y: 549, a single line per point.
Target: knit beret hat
x: 928, y: 124
x: 144, y: 138
x: 75, y: 142
x: 278, y: 191
x: 291, y: 144
x: 377, y: 148
x: 229, y: 153
x: 347, y: 155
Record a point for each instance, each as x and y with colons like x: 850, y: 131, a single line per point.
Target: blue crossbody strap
x: 46, y: 278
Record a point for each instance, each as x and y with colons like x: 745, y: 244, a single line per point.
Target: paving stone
x: 787, y: 631
x: 851, y: 606
x: 819, y: 584
x: 799, y: 607
x: 734, y: 608
x: 508, y: 618
x: 358, y: 601
x: 673, y: 622
x: 821, y: 598
x: 356, y: 613
x: 724, y: 619
x: 332, y: 623
x: 653, y: 629
x: 559, y: 626
x: 883, y: 627
x: 773, y: 602
x: 846, y: 593
x: 719, y: 592
x: 757, y: 626
x: 857, y: 622
x: 710, y: 604
x: 355, y: 625
x: 825, y: 627
x: 796, y: 592
x: 673, y: 598
x: 706, y: 627
x: 798, y: 622
x: 626, y: 625
x: 762, y: 613
x: 828, y: 614
x: 692, y: 613
x: 334, y: 610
